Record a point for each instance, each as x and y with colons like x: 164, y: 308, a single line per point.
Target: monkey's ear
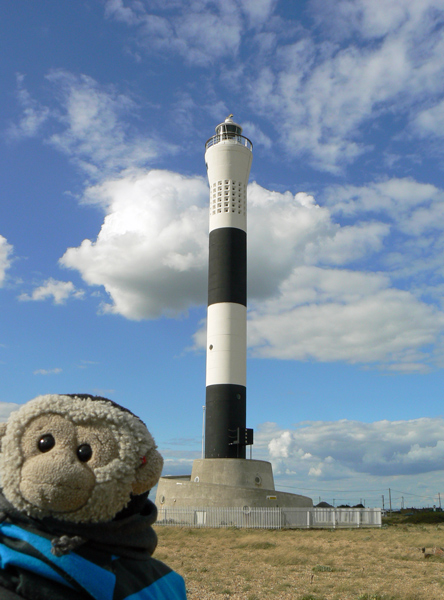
x: 147, y: 475
x: 2, y: 432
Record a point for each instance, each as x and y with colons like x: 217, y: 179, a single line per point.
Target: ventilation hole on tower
x: 210, y: 346
x: 258, y: 480
x: 162, y: 499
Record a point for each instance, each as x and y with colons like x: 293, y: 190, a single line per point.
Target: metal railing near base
x: 270, y: 518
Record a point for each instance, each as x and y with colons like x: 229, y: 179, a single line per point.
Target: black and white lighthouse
x: 228, y: 157
x: 225, y: 477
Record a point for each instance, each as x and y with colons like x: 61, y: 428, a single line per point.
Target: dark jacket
x: 49, y: 559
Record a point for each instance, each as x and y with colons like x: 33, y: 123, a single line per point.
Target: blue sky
x: 105, y: 109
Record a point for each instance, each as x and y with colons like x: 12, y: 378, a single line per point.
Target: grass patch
x: 262, y: 545
x: 359, y: 564
x: 375, y: 597
x: 322, y: 569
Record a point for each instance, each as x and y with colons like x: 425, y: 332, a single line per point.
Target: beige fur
x: 56, y: 483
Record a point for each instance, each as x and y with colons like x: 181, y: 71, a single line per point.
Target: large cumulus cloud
x: 151, y: 253
x: 311, y: 293
x: 343, y: 449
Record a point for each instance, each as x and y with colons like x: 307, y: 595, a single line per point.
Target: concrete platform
x: 226, y: 482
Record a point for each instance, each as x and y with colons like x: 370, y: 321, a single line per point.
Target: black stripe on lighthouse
x: 227, y: 268
x: 226, y: 403
x: 226, y: 410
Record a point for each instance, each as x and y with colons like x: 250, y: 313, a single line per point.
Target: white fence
x: 270, y: 518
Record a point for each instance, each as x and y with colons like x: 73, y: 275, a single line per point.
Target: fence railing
x: 270, y: 518
x: 232, y: 137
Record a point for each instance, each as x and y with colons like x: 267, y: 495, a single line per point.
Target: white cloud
x: 147, y: 253
x: 319, y: 89
x: 34, y: 115
x: 327, y: 450
x: 430, y: 121
x: 151, y: 258
x: 375, y: 18
x: 94, y: 134
x: 59, y: 291
x: 92, y: 124
x: 332, y: 315
x: 258, y: 11
x: 5, y: 258
x: 151, y: 253
x: 189, y: 30
x: 47, y: 371
x: 414, y: 211
x: 396, y: 198
x: 256, y: 134
x: 320, y: 93
x: 6, y: 408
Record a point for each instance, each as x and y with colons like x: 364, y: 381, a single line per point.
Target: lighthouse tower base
x: 226, y: 482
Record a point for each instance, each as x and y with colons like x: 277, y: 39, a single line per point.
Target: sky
x: 105, y: 109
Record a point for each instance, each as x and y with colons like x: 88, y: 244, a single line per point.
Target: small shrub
x: 257, y: 545
x: 374, y: 597
x: 322, y: 569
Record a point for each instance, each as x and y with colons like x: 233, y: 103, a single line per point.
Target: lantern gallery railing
x: 230, y: 136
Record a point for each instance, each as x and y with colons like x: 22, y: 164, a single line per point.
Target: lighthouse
x: 228, y: 158
x: 225, y: 477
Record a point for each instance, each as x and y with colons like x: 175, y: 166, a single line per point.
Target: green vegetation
x: 414, y: 517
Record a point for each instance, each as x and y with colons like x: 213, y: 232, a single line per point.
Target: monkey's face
x: 61, y: 461
x: 76, y: 460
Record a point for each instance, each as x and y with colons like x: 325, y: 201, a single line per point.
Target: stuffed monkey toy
x: 75, y: 519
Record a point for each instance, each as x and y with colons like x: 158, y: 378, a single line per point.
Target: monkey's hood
x: 129, y: 535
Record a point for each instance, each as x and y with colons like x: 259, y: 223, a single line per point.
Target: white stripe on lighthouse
x: 226, y: 344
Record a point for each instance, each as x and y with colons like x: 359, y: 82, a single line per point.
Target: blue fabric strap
x: 96, y: 581
x: 170, y: 586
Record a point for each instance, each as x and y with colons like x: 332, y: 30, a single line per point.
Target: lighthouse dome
x: 229, y: 127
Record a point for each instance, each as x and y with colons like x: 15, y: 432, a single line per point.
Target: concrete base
x: 226, y: 482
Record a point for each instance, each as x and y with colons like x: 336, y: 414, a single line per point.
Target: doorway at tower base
x: 226, y: 482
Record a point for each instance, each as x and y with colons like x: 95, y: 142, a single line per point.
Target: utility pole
x: 383, y: 502
x: 439, y: 498
x: 390, y: 500
x: 203, y: 431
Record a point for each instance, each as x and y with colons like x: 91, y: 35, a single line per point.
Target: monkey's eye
x: 84, y: 452
x: 46, y: 443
